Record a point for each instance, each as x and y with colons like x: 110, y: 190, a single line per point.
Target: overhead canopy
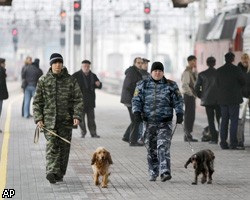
x: 5, y: 2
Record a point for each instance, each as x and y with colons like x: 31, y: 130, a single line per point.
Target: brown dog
x: 203, y: 162
x: 101, y: 160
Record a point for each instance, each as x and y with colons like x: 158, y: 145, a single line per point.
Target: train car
x: 228, y: 31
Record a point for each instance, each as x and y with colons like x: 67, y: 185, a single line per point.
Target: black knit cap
x: 157, y: 66
x: 55, y: 57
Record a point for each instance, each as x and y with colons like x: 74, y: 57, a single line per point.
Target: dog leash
x: 173, y: 131
x: 37, y: 132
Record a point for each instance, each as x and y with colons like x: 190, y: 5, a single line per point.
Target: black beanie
x: 55, y: 57
x: 157, y: 66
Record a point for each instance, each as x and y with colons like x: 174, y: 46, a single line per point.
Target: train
x: 227, y: 31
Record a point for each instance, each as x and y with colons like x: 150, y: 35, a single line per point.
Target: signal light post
x: 15, y: 38
x: 147, y: 25
x: 77, y: 16
x: 147, y: 8
x: 77, y: 6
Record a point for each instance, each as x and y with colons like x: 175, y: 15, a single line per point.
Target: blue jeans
x: 28, y: 94
x: 229, y: 112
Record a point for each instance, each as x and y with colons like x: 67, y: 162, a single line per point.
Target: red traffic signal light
x: 14, y: 32
x: 77, y: 6
x: 147, y: 8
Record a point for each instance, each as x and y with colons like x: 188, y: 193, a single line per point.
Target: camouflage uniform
x: 58, y: 100
x: 156, y: 101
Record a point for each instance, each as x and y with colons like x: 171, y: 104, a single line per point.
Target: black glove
x: 138, y: 117
x: 179, y: 118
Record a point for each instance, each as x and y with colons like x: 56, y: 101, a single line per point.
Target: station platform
x: 22, y: 164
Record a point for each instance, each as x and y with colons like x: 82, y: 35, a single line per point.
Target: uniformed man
x: 155, y: 98
x: 57, y: 107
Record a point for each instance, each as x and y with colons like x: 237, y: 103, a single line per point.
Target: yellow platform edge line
x: 4, y: 152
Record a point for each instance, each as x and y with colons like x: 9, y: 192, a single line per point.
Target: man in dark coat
x: 3, y: 88
x: 206, y: 90
x: 133, y: 75
x: 88, y: 82
x: 230, y: 81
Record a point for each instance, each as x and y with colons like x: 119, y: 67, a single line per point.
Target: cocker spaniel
x: 101, y: 160
x: 203, y: 162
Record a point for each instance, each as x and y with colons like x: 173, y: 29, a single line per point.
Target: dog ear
x: 109, y: 158
x: 187, y: 163
x: 93, y: 158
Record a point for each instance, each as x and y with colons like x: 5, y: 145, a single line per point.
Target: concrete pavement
x: 25, y: 166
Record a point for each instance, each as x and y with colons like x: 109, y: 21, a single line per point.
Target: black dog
x: 203, y: 162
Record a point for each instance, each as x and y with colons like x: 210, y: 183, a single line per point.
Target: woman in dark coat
x: 3, y: 87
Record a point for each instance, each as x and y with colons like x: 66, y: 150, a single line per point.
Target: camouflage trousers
x: 158, y: 141
x: 57, y: 151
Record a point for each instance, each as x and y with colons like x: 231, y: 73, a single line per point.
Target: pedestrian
x: 57, y: 107
x: 230, y: 81
x: 245, y: 68
x: 145, y: 74
x: 206, y: 90
x: 30, y: 75
x: 144, y: 68
x: 27, y: 62
x: 132, y: 76
x: 88, y: 82
x: 188, y: 80
x: 3, y: 87
x: 156, y: 98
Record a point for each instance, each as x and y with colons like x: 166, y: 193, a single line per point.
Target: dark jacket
x: 206, y: 88
x: 3, y: 87
x: 144, y: 74
x: 31, y: 74
x: 87, y: 85
x: 157, y: 100
x: 229, y: 81
x: 133, y: 75
x: 58, y: 100
x: 246, y: 88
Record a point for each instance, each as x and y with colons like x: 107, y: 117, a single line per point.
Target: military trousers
x: 158, y: 142
x: 57, y: 151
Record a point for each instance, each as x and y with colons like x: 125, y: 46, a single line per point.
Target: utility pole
x: 202, y: 7
x: 92, y: 34
x: 82, y: 47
